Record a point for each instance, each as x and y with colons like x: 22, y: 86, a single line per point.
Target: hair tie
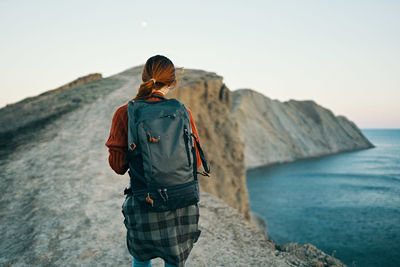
x: 154, y: 80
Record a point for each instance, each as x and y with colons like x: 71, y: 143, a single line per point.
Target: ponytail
x: 145, y: 90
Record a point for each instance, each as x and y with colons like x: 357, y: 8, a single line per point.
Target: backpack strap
x: 133, y: 150
x: 206, y: 166
x: 132, y: 133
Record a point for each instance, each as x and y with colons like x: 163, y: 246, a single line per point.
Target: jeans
x: 137, y: 263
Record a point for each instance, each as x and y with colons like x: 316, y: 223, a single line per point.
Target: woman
x: 166, y: 234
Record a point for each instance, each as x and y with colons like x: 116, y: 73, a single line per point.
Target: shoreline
x: 305, y: 158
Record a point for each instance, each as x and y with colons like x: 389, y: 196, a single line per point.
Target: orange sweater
x: 117, y: 142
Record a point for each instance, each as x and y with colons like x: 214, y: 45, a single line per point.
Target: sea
x: 347, y: 204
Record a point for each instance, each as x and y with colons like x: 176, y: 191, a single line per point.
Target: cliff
x: 61, y: 202
x: 210, y: 102
x: 276, y: 132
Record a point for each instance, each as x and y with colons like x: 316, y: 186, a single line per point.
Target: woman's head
x: 159, y: 69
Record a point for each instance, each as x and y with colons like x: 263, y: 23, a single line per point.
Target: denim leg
x: 137, y: 263
x: 169, y: 265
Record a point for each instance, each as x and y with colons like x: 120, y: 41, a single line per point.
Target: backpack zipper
x: 172, y: 116
x: 187, y: 136
x: 163, y: 194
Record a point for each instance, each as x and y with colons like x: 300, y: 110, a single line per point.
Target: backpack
x: 161, y: 154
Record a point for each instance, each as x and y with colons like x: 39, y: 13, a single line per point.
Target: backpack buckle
x: 149, y: 199
x: 152, y: 139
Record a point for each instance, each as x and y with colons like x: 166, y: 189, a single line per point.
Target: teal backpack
x: 161, y: 154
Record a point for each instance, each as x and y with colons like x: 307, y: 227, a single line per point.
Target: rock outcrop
x: 276, y: 132
x: 61, y: 202
x: 210, y: 102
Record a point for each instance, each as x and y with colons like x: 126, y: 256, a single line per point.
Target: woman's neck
x: 162, y: 92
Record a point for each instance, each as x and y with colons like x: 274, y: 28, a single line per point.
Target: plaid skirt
x: 169, y: 235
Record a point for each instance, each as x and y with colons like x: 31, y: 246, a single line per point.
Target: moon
x: 143, y: 24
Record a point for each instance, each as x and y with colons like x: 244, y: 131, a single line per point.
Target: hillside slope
x: 61, y: 202
x: 276, y: 132
x: 22, y: 121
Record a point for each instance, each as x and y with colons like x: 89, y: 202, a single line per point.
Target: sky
x: 344, y: 55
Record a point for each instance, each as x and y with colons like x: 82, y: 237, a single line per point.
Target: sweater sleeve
x: 196, y: 134
x: 118, y: 140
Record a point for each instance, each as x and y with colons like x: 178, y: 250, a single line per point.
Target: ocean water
x: 348, y: 204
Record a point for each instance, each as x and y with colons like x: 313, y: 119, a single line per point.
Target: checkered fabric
x: 169, y: 235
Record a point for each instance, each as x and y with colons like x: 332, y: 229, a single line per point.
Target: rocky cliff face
x: 276, y: 132
x: 210, y: 102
